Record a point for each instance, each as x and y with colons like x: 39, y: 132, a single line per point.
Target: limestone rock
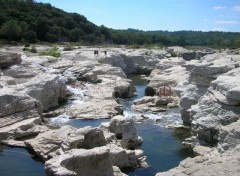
x: 95, y: 109
x: 229, y: 137
x: 125, y: 131
x: 167, y: 77
x: 202, y: 165
x: 54, y: 142
x: 81, y: 162
x: 163, y: 100
x: 7, y: 59
x: 124, y: 89
x: 12, y: 103
x: 150, y: 104
x: 48, y: 89
x: 47, y: 144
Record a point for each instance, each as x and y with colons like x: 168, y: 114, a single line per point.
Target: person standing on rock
x: 95, y: 53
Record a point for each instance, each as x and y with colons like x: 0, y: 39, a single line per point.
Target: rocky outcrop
x: 55, y: 142
x: 49, y: 89
x: 125, y: 132
x: 7, y: 59
x: 218, y: 106
x: 18, y: 114
x: 202, y: 165
x: 135, y: 61
x: 96, y: 162
x: 124, y: 89
x: 117, y: 138
x: 165, y: 77
x: 215, y: 122
x: 111, y: 84
x: 188, y: 54
x: 153, y: 104
x: 200, y: 77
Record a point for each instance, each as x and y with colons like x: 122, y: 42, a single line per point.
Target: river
x: 162, y: 146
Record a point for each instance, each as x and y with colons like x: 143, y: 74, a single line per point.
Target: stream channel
x: 162, y: 146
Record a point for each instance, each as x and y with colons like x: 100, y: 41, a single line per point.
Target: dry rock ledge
x: 84, y: 86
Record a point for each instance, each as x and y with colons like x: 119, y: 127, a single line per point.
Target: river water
x: 162, y: 146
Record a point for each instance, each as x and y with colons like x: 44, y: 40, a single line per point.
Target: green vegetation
x: 53, y: 52
x: 31, y: 50
x: 100, y: 61
x: 29, y: 21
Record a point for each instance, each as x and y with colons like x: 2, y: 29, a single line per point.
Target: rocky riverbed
x: 80, y: 85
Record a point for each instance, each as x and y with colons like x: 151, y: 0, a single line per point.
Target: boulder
x: 125, y: 132
x: 229, y: 137
x: 163, y: 101
x: 95, y: 109
x: 48, y: 89
x: 21, y: 72
x: 7, y: 59
x: 150, y: 104
x: 93, y: 137
x: 55, y: 142
x: 18, y: 114
x: 81, y: 162
x: 167, y: 77
x: 124, y: 89
x: 48, y: 144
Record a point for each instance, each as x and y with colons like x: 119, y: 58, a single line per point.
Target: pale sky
x: 171, y: 15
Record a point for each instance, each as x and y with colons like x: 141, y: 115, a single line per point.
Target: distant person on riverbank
x: 95, y: 53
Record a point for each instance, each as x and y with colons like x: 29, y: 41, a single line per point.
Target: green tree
x: 75, y: 34
x: 11, y: 30
x: 30, y: 36
x: 42, y: 27
x: 23, y: 25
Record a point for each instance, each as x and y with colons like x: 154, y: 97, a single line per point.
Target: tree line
x: 29, y: 21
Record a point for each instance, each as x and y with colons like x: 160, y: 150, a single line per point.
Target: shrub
x: 100, y: 61
x: 31, y: 50
x: 53, y: 52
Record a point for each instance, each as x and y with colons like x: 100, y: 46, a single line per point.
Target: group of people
x: 165, y: 91
x: 96, y: 52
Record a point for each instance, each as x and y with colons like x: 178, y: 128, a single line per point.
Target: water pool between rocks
x: 162, y: 146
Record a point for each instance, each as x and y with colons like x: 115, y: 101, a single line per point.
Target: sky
x: 171, y: 15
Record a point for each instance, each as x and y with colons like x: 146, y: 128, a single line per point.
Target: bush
x: 100, y: 61
x: 53, y: 52
x: 31, y: 50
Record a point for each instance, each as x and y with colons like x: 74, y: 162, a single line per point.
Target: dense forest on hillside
x: 29, y: 21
